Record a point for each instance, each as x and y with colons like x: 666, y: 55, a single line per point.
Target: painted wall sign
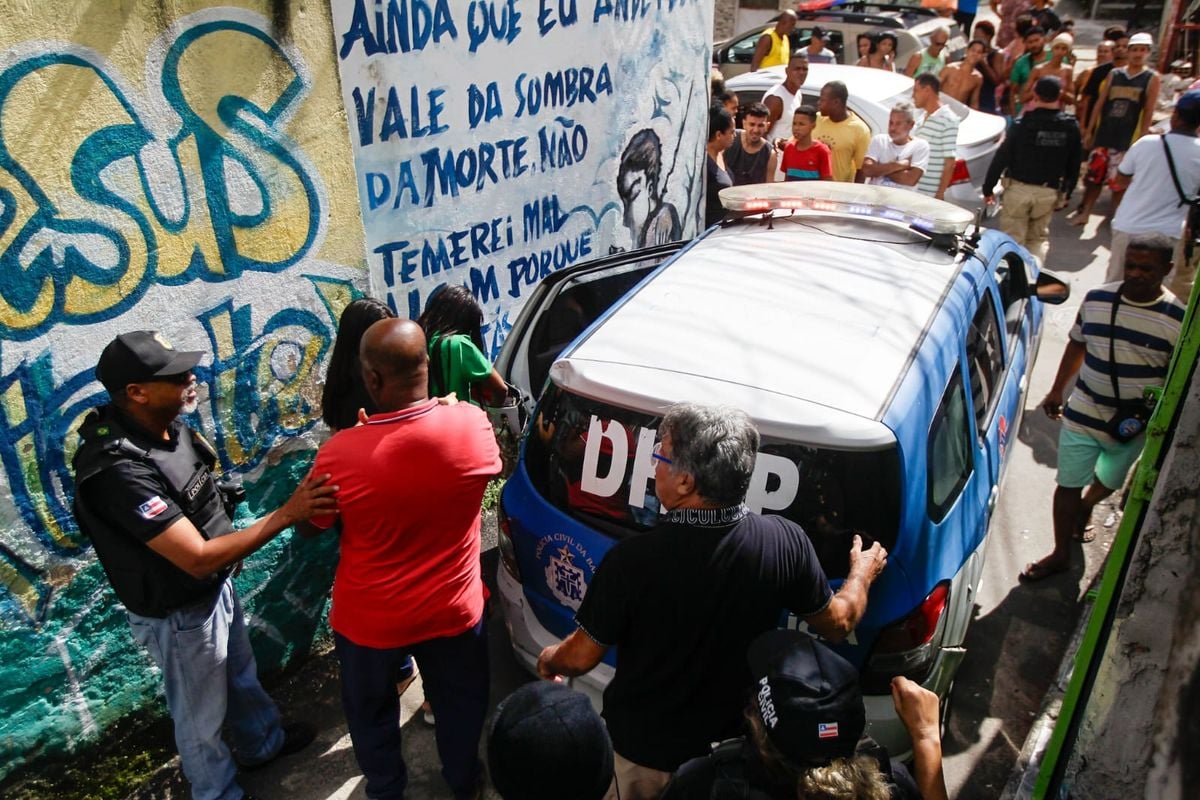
x: 496, y: 141
x: 172, y: 169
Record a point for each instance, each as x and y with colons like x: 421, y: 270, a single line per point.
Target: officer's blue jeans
x: 211, y: 679
x: 454, y: 672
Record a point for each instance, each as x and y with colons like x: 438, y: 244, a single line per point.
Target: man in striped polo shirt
x: 940, y: 129
x: 1124, y: 335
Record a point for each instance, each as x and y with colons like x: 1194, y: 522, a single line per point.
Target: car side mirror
x: 1051, y: 289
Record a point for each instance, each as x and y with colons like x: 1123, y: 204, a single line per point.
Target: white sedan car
x: 873, y: 92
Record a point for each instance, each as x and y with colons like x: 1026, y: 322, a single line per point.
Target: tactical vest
x: 148, y: 584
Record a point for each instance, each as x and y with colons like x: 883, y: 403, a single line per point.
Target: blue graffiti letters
x: 266, y: 372
x: 543, y: 216
x: 525, y: 271
x: 445, y: 172
x: 561, y: 89
x: 258, y: 387
x: 563, y: 145
x: 94, y: 215
x: 395, y: 121
x: 568, y: 14
x: 483, y: 106
x: 495, y: 19
x: 633, y: 10
x: 442, y: 253
x: 398, y: 26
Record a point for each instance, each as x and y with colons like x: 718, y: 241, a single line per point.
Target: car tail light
x: 508, y: 553
x: 907, y: 646
x: 960, y: 174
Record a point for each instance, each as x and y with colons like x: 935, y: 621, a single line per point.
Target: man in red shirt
x: 408, y: 581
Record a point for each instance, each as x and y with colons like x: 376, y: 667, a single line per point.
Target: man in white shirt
x: 816, y: 51
x: 895, y: 158
x: 940, y: 128
x: 1152, y: 203
x: 780, y: 99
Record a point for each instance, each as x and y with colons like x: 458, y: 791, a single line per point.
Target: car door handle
x: 993, y: 496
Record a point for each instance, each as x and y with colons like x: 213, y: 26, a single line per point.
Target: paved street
x: 1017, y: 639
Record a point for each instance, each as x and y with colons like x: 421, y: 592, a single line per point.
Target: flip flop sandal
x: 1036, y: 571
x: 1086, y: 535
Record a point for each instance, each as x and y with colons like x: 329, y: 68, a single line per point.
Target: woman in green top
x: 453, y: 323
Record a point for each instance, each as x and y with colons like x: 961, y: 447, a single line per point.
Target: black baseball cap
x: 1048, y: 88
x: 807, y: 696
x: 548, y: 743
x: 140, y: 356
x: 818, y: 33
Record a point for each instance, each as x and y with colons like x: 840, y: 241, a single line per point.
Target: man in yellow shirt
x: 847, y: 136
x: 774, y: 46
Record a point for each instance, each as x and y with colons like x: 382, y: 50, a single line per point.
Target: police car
x: 881, y: 342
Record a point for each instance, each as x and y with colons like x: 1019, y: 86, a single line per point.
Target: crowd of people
x: 1062, y: 123
x: 408, y: 591
x: 784, y: 139
x: 1065, y: 127
x: 401, y: 398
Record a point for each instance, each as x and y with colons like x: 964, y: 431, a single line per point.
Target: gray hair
x: 907, y: 109
x: 716, y: 445
x: 1156, y: 243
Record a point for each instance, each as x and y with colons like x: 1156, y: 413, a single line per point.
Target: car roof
x: 803, y: 327
x: 863, y: 83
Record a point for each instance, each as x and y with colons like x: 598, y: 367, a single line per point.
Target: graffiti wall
x: 496, y: 141
x: 179, y: 166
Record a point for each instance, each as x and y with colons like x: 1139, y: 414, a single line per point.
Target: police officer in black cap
x: 147, y: 497
x: 1041, y: 156
x: 806, y: 721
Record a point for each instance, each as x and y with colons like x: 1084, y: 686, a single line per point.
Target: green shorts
x: 1083, y: 458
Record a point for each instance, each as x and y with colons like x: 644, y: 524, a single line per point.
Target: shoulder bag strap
x: 436, y: 379
x: 1112, y: 348
x: 1183, y: 198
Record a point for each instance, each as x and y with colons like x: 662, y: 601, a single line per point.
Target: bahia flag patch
x: 152, y: 507
x: 827, y: 730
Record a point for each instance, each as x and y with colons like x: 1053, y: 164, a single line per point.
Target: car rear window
x: 592, y: 461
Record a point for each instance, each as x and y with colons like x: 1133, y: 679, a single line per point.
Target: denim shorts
x: 1083, y: 458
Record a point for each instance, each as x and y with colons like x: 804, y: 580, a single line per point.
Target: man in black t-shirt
x: 683, y: 602
x: 1111, y: 53
x: 146, y: 497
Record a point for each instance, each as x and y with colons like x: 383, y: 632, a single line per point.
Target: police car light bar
x: 859, y: 199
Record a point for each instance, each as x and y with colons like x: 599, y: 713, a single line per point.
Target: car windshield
x: 593, y: 461
x: 906, y: 97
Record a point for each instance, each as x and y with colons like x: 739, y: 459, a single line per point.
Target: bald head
x: 394, y: 363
